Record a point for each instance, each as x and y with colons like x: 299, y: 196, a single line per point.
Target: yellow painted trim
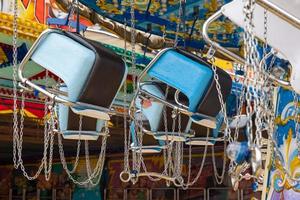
x: 27, y: 29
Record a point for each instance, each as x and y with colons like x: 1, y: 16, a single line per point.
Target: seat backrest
x: 66, y: 58
x: 106, y: 78
x: 153, y: 113
x: 282, y: 36
x: 194, y: 78
x: 179, y: 71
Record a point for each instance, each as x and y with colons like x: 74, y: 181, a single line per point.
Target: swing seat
x: 211, y: 140
x: 153, y: 114
x: 147, y: 149
x: 175, y: 136
x: 85, y: 66
x: 193, y: 77
x: 69, y: 125
x: 283, y: 36
x: 200, y: 141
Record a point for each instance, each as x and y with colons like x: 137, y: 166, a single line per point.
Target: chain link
x: 15, y: 82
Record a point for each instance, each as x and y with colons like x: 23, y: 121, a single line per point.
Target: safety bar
x: 215, y: 45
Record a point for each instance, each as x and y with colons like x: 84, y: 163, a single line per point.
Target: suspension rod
x: 279, y: 12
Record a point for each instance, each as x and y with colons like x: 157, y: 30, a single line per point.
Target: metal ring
x: 123, y: 175
x: 178, y: 181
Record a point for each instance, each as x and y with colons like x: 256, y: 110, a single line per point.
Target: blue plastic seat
x: 193, y: 77
x: 152, y: 115
x: 184, y: 74
x: 212, y: 139
x: 154, y: 148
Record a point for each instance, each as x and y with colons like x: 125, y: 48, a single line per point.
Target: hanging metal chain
x: 77, y: 154
x: 179, y: 21
x: 220, y: 97
x: 20, y: 145
x: 18, y: 133
x: 15, y: 82
x: 190, y: 183
x: 48, y: 124
x: 126, y: 137
x: 248, y: 14
x: 136, y: 155
x: 265, y: 32
x: 167, y: 153
x: 264, y: 87
x: 99, y: 165
x: 172, y: 158
x: 133, y: 35
x: 220, y: 178
x: 78, y: 146
x: 239, y: 112
x: 87, y: 158
x: 49, y: 141
x: 254, y: 68
x: 77, y: 157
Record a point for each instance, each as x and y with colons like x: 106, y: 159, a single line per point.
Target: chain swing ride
x: 65, y: 107
x: 178, y: 94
